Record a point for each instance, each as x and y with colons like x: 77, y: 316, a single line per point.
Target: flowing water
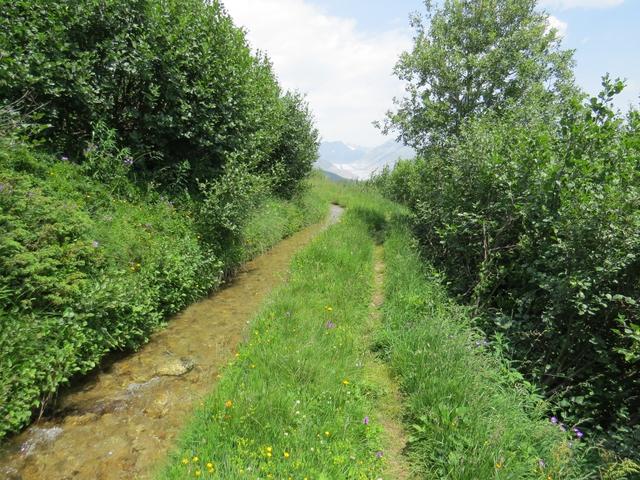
x: 121, y: 422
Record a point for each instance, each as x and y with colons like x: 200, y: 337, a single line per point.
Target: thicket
x: 142, y: 145
x: 531, y: 207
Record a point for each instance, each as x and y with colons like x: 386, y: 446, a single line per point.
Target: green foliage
x: 473, y: 56
x: 469, y: 414
x: 535, y: 220
x: 89, y: 264
x: 174, y: 79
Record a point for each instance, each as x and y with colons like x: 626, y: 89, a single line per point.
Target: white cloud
x: 346, y: 72
x: 567, y: 4
x: 559, y: 25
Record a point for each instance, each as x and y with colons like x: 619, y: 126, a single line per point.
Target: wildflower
x: 127, y: 162
x: 185, y: 461
x: 554, y: 420
x: 64, y: 158
x: 328, y: 308
x: 366, y: 420
x: 326, y: 434
x: 194, y: 459
x: 286, y: 454
x: 578, y: 433
x: 379, y: 454
x: 499, y: 465
x: 228, y: 404
x: 329, y: 325
x: 345, y: 382
x: 209, y: 465
x: 95, y: 244
x: 541, y: 464
x: 197, y: 473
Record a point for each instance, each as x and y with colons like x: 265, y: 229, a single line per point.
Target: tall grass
x: 469, y: 415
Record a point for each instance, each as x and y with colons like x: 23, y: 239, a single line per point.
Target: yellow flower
x: 228, y: 404
x: 198, y: 473
x: 498, y: 465
x: 209, y: 465
x: 194, y: 459
x: 269, y: 449
x: 269, y: 454
x: 345, y: 382
x: 326, y: 434
x: 286, y: 454
x: 185, y: 461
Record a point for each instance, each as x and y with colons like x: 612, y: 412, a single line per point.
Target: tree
x: 471, y: 56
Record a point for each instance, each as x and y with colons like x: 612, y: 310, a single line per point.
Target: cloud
x: 559, y: 25
x: 568, y: 4
x: 346, y: 72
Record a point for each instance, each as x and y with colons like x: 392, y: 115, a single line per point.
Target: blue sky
x: 341, y: 52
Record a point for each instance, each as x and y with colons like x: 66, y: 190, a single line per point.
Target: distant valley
x: 358, y: 163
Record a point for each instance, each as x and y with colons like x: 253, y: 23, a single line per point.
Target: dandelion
x: 197, y: 473
x: 185, y: 461
x: 345, y: 382
x: 366, y: 420
x: 194, y: 459
x: 228, y: 404
x: 286, y: 454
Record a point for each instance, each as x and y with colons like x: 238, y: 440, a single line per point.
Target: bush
x: 175, y: 80
x: 535, y: 220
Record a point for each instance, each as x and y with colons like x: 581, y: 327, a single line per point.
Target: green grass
x: 468, y: 415
x: 293, y: 401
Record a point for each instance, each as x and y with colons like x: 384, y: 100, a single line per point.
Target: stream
x: 121, y: 421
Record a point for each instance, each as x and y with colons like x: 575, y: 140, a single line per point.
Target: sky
x: 341, y: 53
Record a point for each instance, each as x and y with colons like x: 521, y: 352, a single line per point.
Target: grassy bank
x: 86, y: 268
x: 468, y: 415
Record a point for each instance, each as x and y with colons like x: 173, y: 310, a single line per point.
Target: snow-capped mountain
x: 359, y: 163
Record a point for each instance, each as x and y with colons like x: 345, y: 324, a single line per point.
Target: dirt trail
x: 390, y: 402
x: 120, y: 422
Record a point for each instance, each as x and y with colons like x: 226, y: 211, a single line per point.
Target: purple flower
x: 329, y: 325
x: 379, y: 454
x: 128, y: 162
x: 554, y: 420
x: 64, y: 158
x: 366, y: 420
x: 578, y: 433
x: 541, y: 464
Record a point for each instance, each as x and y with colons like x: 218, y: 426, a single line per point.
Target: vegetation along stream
x: 121, y: 422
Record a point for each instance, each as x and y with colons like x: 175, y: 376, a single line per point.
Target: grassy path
x: 361, y: 367
x: 390, y: 405
x: 297, y: 402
